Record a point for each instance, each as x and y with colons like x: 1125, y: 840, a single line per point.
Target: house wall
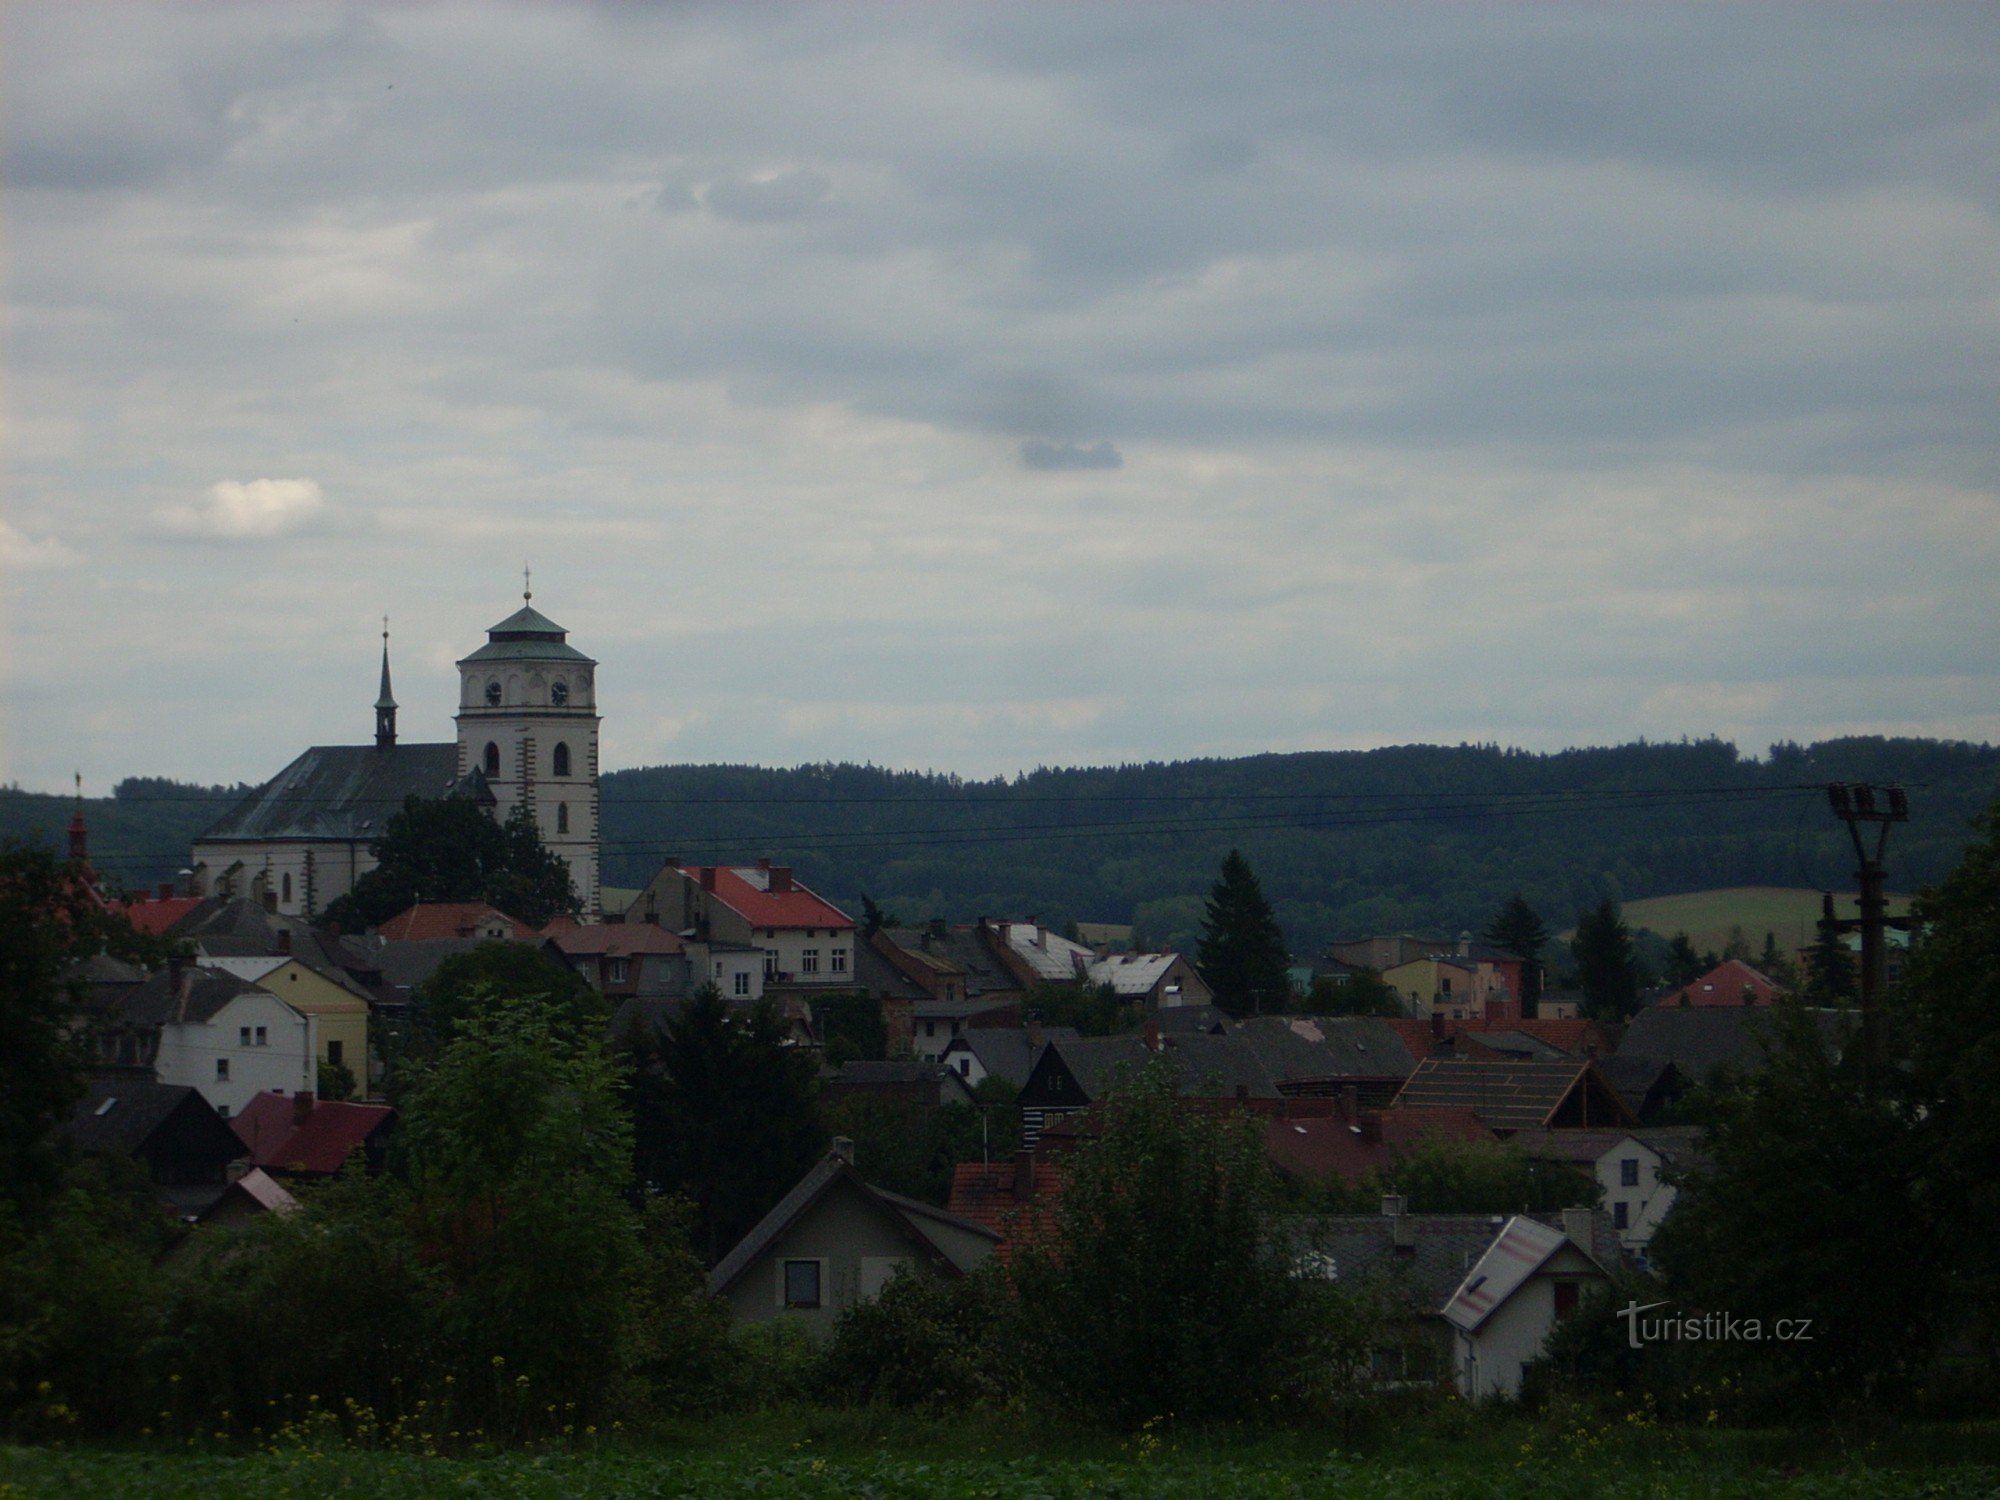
x: 1491, y: 1359
x: 341, y: 1014
x: 321, y: 871
x: 1647, y: 1204
x: 859, y: 1250
x: 287, y: 1061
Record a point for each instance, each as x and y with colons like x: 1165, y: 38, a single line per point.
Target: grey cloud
x: 1039, y: 454
x: 768, y: 200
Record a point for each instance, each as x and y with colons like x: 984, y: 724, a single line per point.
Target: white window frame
x: 818, y: 1263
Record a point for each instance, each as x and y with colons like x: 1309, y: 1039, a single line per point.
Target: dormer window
x: 493, y: 693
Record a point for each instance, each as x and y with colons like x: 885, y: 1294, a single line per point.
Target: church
x: 527, y: 738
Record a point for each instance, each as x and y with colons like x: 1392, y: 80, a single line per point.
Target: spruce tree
x: 1607, y: 966
x: 1518, y: 928
x: 1242, y: 954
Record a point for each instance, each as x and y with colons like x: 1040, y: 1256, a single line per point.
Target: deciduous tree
x: 449, y: 849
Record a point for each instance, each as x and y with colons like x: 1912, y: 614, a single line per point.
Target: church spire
x: 385, y: 702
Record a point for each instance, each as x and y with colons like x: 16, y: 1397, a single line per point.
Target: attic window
x: 802, y: 1283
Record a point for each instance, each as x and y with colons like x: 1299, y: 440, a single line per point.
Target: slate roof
x: 1176, y: 1019
x: 1506, y: 1095
x: 200, y: 993
x: 1700, y: 1039
x: 1206, y: 1065
x: 960, y: 950
x: 120, y: 1114
x: 1361, y: 1249
x: 403, y: 966
x: 612, y: 939
x: 834, y: 1169
x: 1006, y: 1051
x: 1303, y: 1049
x: 1509, y: 1044
x: 343, y: 792
x: 333, y: 1131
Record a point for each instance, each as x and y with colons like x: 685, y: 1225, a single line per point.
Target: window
x: 1628, y: 1172
x: 562, y: 760
x: 836, y: 960
x: 930, y: 1028
x: 809, y: 961
x: 562, y: 815
x: 222, y: 1070
x: 1621, y: 1215
x: 770, y: 966
x: 493, y: 693
x: 243, y: 1036
x: 742, y: 981
x: 965, y: 1067
x: 264, y: 1040
x: 287, y: 897
x: 802, y: 1283
x: 1567, y: 1295
x: 559, y: 695
x: 718, y: 968
x: 618, y: 971
x: 493, y: 750
x: 336, y: 1052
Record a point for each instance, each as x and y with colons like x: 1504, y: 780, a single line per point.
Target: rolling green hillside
x: 1707, y: 917
x: 1412, y: 838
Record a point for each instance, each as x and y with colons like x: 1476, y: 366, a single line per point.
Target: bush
x: 926, y: 1343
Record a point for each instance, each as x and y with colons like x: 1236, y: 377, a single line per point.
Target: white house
x: 1632, y: 1174
x: 801, y: 938
x: 230, y: 1041
x: 1504, y: 1309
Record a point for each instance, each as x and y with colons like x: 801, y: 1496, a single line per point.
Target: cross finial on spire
x: 527, y: 586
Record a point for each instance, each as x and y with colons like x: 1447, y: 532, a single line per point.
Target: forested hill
x: 1417, y: 837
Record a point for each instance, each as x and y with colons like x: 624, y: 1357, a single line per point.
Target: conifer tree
x: 1607, y: 966
x: 1242, y: 954
x: 1518, y: 928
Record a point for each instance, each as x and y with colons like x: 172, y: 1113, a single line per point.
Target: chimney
x: 708, y: 877
x: 1402, y: 1233
x: 166, y: 890
x: 1576, y: 1224
x: 1350, y: 1102
x: 284, y: 940
x: 1465, y: 945
x: 764, y: 863
x: 302, y: 1106
x: 1371, y: 1127
x: 843, y: 1147
x: 1034, y: 1038
x: 781, y: 879
x: 1024, y: 1175
x: 938, y: 928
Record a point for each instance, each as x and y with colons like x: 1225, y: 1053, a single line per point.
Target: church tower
x: 527, y: 718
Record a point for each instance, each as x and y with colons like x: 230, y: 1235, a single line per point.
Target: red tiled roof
x: 1724, y: 985
x: 1320, y: 1149
x: 988, y: 1194
x: 429, y: 920
x: 1416, y: 1035
x: 794, y: 907
x: 153, y: 917
x: 332, y: 1132
x: 1578, y: 1037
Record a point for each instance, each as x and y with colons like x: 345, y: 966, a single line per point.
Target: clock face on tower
x: 492, y: 695
x: 559, y: 693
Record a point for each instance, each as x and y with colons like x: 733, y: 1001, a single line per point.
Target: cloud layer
x: 981, y: 387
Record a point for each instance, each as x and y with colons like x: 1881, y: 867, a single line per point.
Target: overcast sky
x: 983, y: 388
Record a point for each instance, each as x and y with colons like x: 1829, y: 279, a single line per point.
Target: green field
x: 1707, y: 916
x: 809, y: 1454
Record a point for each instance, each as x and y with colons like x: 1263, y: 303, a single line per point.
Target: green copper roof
x: 527, y: 635
x: 529, y: 621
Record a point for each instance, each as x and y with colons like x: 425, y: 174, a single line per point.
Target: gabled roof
x: 1726, y: 984
x: 1363, y: 1249
x: 154, y: 915
x: 1577, y: 1038
x: 191, y: 993
x: 1699, y: 1039
x: 1522, y: 1249
x: 947, y: 951
x: 1007, y: 1051
x: 746, y: 890
x: 1514, y: 1044
x: 1301, y: 1049
x: 331, y: 1132
x: 1510, y: 1096
x: 914, y: 1219
x: 260, y: 1188
x: 343, y: 792
x: 121, y: 1114
x: 1130, y: 973
x: 449, y: 919
x: 611, y: 939
x: 1215, y: 1066
x: 1322, y: 1148
x: 1015, y: 1199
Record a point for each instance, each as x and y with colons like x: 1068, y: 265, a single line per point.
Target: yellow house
x: 341, y: 1009
x: 1443, y: 985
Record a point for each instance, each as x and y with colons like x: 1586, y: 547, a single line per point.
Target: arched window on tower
x: 562, y: 817
x: 562, y: 759
x: 492, y: 759
x: 288, y: 890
